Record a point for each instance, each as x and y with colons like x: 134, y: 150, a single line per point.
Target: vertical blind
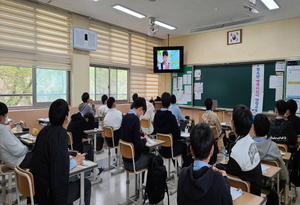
x: 127, y: 50
x: 32, y: 35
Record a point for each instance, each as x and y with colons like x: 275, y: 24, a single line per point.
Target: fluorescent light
x: 164, y: 25
x: 271, y: 4
x: 128, y: 11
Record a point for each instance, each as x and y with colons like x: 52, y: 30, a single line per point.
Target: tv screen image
x: 168, y: 59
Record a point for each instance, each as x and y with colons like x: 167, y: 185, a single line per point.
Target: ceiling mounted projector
x: 152, y: 27
x: 251, y: 6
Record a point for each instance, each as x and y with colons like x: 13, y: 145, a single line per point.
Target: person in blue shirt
x: 199, y: 183
x: 175, y: 110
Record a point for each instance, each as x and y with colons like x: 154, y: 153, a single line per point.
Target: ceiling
x: 183, y: 14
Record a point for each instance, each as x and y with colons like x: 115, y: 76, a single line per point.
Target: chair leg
x: 9, y: 191
x: 3, y: 185
x: 175, y: 177
x: 118, y: 169
x: 140, y: 188
x: 169, y: 168
x: 109, y: 167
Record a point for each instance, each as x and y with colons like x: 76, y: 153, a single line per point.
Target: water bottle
x: 186, y: 130
x: 19, y: 128
x: 100, y: 126
x: 225, y: 156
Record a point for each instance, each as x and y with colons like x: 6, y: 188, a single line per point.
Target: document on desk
x: 150, y: 141
x: 85, y: 163
x: 235, y: 193
x: 264, y: 168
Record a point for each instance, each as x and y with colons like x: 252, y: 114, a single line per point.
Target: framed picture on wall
x: 234, y: 37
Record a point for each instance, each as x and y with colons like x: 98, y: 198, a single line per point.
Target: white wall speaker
x: 84, y: 39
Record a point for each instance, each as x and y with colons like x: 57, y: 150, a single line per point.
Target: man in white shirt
x: 113, y: 119
x: 12, y: 151
x: 103, y: 109
x: 149, y: 114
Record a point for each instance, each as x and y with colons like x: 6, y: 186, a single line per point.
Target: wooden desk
x: 271, y: 171
x: 93, y: 135
x: 79, y: 170
x: 248, y: 199
x: 286, y: 156
x: 154, y: 147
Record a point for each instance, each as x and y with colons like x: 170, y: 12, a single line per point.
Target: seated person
x: 87, y: 104
x: 198, y: 183
x: 12, y: 151
x: 291, y: 113
x: 267, y: 149
x: 51, y: 163
x: 103, y: 109
x: 149, y: 114
x: 244, y: 160
x: 131, y: 133
x: 113, y: 119
x: 176, y: 110
x: 281, y: 130
x: 165, y: 123
x: 210, y: 117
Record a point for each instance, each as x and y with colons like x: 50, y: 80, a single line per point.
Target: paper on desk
x: 223, y: 123
x: 264, y: 168
x: 282, y: 153
x: 85, y: 163
x: 150, y: 141
x: 235, y: 193
x: 185, y: 134
x: 26, y: 136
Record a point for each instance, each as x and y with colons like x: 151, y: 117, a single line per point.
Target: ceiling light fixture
x: 271, y: 4
x: 128, y: 11
x: 164, y: 25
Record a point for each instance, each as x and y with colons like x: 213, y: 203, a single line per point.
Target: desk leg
x: 118, y: 159
x: 82, y: 188
x: 278, y: 189
x: 95, y: 160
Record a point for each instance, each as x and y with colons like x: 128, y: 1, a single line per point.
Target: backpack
x: 156, y: 181
x: 295, y: 174
x: 272, y: 198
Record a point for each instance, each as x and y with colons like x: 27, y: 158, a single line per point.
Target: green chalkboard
x: 231, y: 85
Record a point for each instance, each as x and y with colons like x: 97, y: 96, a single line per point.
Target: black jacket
x: 295, y: 120
x: 131, y: 133
x: 204, y: 186
x: 282, y: 131
x: 77, y: 126
x: 50, y: 166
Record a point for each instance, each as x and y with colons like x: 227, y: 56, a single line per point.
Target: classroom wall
x: 261, y: 42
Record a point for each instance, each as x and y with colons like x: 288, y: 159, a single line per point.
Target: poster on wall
x: 257, y: 94
x: 293, y: 82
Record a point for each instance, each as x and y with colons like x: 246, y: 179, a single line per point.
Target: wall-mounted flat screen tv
x: 168, y: 59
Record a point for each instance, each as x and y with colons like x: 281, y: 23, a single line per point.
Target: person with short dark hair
x: 244, y: 160
x: 87, y: 104
x: 113, y: 119
x: 134, y: 97
x: 165, y: 123
x: 103, y: 109
x: 267, y: 149
x: 281, y: 130
x: 51, y: 163
x: 291, y: 113
x: 131, y: 133
x: 211, y: 117
x: 176, y: 110
x: 165, y: 64
x: 199, y: 183
x: 12, y: 151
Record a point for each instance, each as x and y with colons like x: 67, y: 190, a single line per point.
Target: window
x: 110, y: 81
x: 26, y: 86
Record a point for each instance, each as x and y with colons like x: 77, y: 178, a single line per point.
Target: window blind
x: 34, y: 36
x: 125, y: 49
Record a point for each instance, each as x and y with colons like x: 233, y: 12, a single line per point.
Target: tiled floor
x: 112, y: 189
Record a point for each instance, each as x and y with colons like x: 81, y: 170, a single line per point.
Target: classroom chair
x: 127, y: 151
x: 214, y: 131
x: 168, y: 138
x: 266, y: 190
x: 145, y: 123
x: 34, y: 132
x: 25, y: 184
x: 109, y: 133
x: 282, y: 147
x: 236, y: 182
x: 219, y: 141
x: 70, y: 140
x: 6, y: 171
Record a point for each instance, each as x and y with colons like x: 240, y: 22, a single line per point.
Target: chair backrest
x: 275, y: 163
x: 145, y: 122
x: 214, y: 131
x: 282, y: 147
x: 25, y: 183
x: 34, y: 132
x: 168, y: 138
x: 70, y: 139
x: 235, y: 181
x: 108, y: 132
x: 127, y: 149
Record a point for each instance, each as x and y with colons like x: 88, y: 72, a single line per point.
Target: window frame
x: 109, y: 85
x: 36, y: 104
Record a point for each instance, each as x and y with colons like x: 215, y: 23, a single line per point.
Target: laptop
x: 214, y: 105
